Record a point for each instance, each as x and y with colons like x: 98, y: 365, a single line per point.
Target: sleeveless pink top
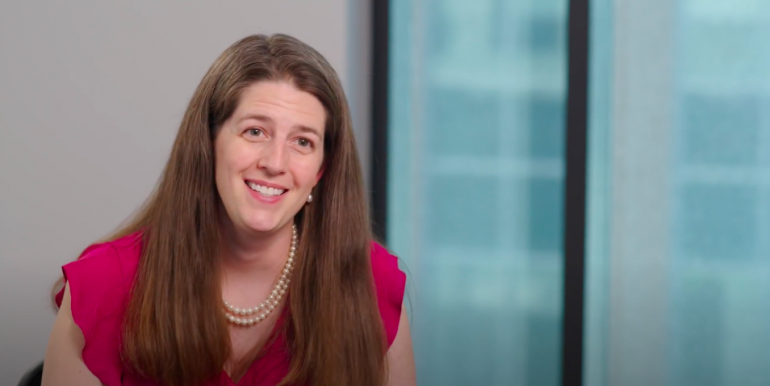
x: 100, y: 281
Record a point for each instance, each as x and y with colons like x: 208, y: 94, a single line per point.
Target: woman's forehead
x: 281, y: 103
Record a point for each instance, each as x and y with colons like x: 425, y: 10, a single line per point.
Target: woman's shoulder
x: 99, y: 282
x: 391, y: 283
x: 385, y: 264
x: 103, y: 270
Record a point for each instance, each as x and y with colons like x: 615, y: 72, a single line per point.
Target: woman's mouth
x: 265, y: 190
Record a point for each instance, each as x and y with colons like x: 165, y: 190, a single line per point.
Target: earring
x: 310, y: 198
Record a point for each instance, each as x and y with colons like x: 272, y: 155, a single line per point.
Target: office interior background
x: 465, y: 114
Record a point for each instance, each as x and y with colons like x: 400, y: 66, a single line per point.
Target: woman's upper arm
x: 400, y: 357
x: 63, y: 365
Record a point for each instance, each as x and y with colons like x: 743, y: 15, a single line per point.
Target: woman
x: 252, y: 262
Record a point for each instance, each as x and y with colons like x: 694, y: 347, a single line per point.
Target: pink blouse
x: 100, y: 281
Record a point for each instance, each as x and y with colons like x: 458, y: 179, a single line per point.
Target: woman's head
x: 274, y: 111
x: 268, y: 156
x: 270, y: 113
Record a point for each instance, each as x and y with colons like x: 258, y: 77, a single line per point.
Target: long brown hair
x: 174, y: 329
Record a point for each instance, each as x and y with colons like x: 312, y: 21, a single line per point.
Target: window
x: 475, y: 185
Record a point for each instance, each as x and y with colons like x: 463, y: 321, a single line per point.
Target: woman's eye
x: 303, y: 142
x: 254, y: 132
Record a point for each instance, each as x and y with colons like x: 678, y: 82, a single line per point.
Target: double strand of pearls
x: 246, y: 316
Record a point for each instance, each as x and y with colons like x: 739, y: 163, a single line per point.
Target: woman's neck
x: 250, y: 253
x: 251, y: 266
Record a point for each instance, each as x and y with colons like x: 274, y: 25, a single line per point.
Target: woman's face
x: 269, y: 155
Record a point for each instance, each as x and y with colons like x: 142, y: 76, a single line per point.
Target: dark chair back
x: 33, y: 377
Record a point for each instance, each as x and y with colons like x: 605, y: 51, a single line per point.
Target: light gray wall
x: 91, y: 95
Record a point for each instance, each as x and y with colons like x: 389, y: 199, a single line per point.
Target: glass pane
x: 679, y: 194
x: 476, y: 136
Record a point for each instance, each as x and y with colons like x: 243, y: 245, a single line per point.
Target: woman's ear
x: 320, y: 174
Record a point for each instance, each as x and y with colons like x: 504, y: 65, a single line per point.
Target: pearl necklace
x: 265, y: 308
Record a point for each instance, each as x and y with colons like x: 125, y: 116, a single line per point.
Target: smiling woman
x: 253, y: 250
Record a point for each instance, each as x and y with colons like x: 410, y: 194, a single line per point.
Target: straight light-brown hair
x: 175, y: 331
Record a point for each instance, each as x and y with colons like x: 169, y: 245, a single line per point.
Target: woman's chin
x: 264, y: 226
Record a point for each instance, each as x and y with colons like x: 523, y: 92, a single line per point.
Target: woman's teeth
x: 264, y: 190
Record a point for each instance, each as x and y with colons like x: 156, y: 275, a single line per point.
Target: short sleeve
x: 98, y: 298
x: 390, y: 282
